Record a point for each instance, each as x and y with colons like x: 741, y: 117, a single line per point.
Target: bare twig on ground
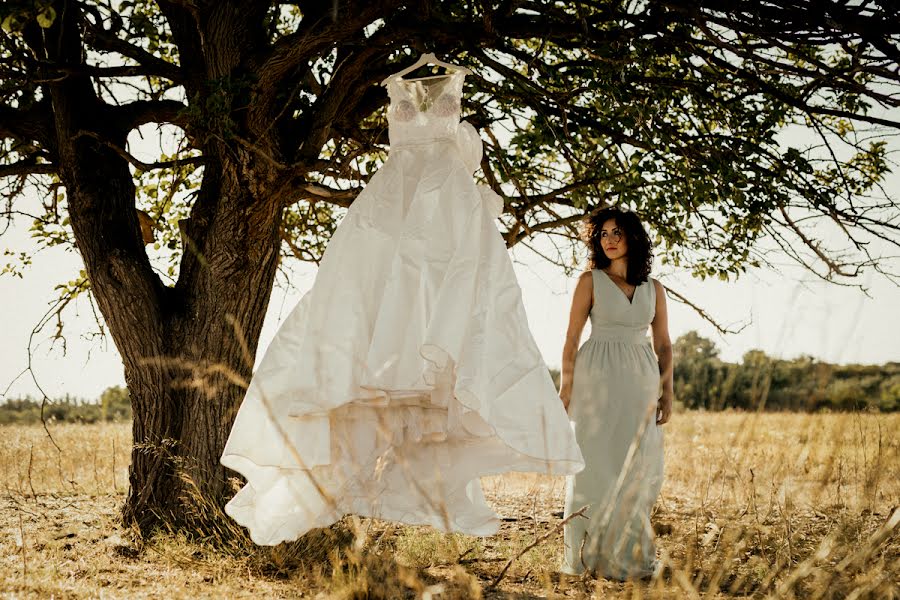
x: 22, y: 539
x: 578, y: 513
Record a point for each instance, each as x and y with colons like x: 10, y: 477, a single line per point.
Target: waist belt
x: 620, y: 334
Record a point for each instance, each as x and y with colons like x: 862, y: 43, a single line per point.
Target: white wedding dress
x: 408, y: 370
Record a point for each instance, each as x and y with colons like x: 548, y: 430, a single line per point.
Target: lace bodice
x: 424, y: 110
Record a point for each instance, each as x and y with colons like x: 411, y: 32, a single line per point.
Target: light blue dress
x: 615, y: 389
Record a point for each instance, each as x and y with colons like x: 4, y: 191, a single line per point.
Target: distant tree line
x: 113, y: 405
x: 762, y: 382
x: 703, y: 381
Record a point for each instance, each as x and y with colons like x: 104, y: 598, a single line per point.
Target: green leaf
x: 13, y: 22
x: 46, y: 17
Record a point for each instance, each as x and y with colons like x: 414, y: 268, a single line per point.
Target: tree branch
x: 108, y: 72
x: 102, y: 40
x: 181, y: 17
x: 177, y: 162
x: 703, y: 314
x: 552, y: 224
x: 27, y: 167
x: 314, y: 37
x: 317, y: 191
x: 34, y: 123
x: 134, y: 114
x: 833, y: 267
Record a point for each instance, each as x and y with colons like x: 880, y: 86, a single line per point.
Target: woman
x: 611, y: 389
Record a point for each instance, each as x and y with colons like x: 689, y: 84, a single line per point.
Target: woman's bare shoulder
x: 584, y: 290
x: 585, y: 282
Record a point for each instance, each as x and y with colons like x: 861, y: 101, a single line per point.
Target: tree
x: 698, y: 372
x: 273, y: 121
x: 115, y: 405
x: 889, y: 398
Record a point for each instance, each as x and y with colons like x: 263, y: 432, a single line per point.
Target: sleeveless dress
x: 408, y: 371
x: 615, y: 389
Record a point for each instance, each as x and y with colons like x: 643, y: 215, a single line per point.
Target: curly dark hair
x: 640, y: 251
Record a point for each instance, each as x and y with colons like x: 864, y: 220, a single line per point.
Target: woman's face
x: 612, y: 239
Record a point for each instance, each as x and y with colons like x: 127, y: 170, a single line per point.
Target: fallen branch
x: 538, y: 541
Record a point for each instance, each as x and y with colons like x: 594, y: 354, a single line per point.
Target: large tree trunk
x: 188, y: 349
x: 185, y: 349
x: 186, y: 398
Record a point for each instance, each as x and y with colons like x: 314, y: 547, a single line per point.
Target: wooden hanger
x: 424, y: 60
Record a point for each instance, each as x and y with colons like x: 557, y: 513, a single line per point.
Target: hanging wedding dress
x: 408, y: 370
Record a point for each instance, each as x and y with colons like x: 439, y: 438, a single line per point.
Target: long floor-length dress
x: 408, y: 370
x: 615, y: 389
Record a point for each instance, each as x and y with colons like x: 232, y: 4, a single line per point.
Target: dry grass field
x: 754, y: 505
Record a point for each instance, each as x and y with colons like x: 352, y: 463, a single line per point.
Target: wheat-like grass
x: 753, y: 505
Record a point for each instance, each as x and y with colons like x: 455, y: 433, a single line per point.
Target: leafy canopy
x: 731, y: 133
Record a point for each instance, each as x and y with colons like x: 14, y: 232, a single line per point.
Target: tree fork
x: 183, y: 360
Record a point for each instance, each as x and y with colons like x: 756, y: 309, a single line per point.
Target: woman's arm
x: 582, y: 301
x: 663, y: 347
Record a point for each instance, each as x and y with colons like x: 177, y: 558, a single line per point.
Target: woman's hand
x: 662, y: 345
x: 664, y: 407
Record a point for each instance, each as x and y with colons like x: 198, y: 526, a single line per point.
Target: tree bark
x: 187, y: 350
x: 210, y: 330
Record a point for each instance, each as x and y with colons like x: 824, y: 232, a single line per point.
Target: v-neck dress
x: 615, y: 389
